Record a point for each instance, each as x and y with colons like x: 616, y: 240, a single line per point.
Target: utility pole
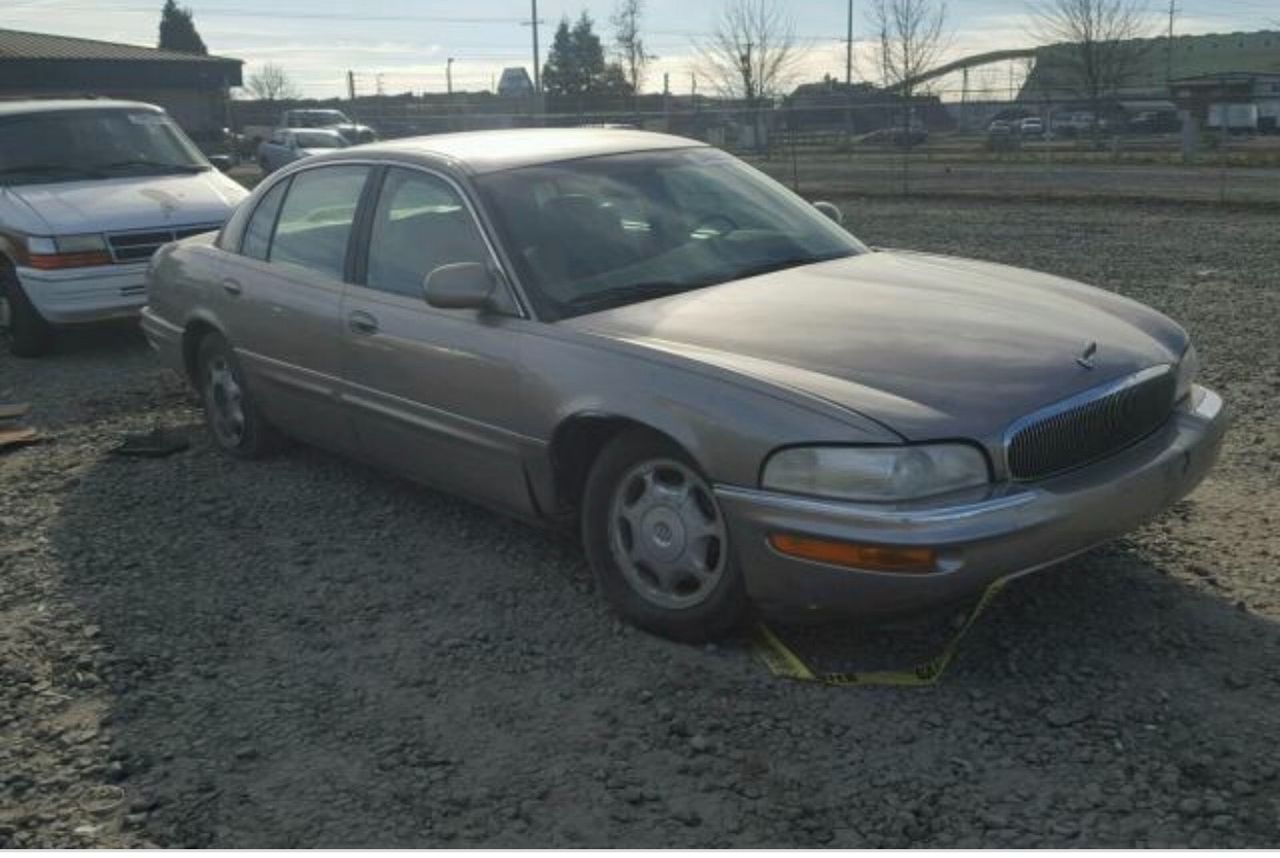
x: 537, y: 60
x: 351, y: 85
x: 448, y: 77
x: 1173, y: 14
x: 848, y: 50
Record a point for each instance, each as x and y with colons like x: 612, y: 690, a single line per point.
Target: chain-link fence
x: 993, y: 149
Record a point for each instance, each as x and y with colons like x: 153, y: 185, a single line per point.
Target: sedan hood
x: 932, y: 347
x: 133, y: 202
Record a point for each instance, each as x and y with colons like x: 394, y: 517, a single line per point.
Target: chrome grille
x: 138, y: 246
x: 1091, y: 426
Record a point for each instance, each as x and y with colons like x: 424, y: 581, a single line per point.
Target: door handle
x: 232, y: 287
x: 363, y: 323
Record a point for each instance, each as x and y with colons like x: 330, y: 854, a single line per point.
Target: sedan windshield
x: 93, y: 144
x: 597, y: 233
x: 317, y: 140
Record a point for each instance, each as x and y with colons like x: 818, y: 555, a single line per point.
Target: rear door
x: 432, y: 392
x: 285, y: 296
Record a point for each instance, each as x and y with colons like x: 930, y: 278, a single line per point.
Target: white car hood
x: 134, y: 202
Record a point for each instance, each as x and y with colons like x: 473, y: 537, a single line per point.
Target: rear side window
x: 257, y: 234
x: 315, y: 221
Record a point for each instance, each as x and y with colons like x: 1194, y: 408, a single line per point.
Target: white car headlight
x: 876, y: 473
x: 85, y: 243
x: 1188, y: 369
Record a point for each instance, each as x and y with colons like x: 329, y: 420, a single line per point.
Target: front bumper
x: 1012, y: 530
x: 96, y: 294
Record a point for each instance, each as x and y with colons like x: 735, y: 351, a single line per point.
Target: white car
x: 1032, y: 126
x: 89, y: 190
x: 288, y: 145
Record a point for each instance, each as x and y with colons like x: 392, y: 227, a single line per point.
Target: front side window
x: 420, y: 223
x: 595, y: 233
x: 59, y: 146
x: 315, y: 220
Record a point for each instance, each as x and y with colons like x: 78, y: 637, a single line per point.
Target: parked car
x: 899, y: 136
x: 731, y: 398
x: 89, y: 188
x: 1032, y: 126
x: 336, y: 120
x: 287, y: 146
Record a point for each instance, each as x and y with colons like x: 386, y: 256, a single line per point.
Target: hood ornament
x: 1086, y: 357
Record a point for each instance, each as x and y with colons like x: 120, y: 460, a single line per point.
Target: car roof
x: 480, y: 152
x: 52, y: 105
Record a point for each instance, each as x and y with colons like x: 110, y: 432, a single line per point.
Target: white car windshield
x: 596, y: 233
x: 317, y: 140
x: 59, y: 146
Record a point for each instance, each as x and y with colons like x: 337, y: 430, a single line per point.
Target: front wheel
x: 658, y: 543
x: 29, y: 334
x: 234, y: 420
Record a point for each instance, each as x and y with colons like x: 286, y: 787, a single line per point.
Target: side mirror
x: 222, y: 162
x: 460, y: 286
x: 831, y: 210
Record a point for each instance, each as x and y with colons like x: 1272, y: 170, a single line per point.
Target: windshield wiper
x: 158, y: 165
x: 632, y: 291
x: 50, y: 168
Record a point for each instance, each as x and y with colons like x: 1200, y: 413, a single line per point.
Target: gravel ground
x: 201, y: 652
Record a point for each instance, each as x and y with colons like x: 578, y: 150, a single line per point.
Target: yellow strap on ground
x: 784, y: 663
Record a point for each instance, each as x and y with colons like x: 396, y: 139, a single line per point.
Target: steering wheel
x: 714, y: 217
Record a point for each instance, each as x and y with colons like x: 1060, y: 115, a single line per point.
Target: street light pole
x: 537, y: 62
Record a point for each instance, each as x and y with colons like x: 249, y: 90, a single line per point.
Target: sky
x: 404, y: 44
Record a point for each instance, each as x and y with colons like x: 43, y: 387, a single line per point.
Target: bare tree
x: 910, y: 38
x: 752, y: 51
x: 272, y: 83
x: 632, y: 55
x: 1097, y: 45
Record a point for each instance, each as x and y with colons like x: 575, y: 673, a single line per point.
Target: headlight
x: 1188, y: 369
x: 87, y: 243
x: 876, y: 473
x: 67, y: 251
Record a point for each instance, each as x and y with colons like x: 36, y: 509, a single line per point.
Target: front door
x: 432, y: 391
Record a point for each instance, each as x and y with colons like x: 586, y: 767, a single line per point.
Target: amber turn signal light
x: 56, y: 261
x: 875, y: 558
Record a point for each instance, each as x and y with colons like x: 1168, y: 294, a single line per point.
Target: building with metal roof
x: 193, y: 88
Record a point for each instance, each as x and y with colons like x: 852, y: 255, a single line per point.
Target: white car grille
x: 139, y: 245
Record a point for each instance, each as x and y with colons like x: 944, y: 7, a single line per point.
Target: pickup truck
x: 336, y: 120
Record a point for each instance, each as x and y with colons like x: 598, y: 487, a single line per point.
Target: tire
x: 658, y: 543
x: 29, y: 334
x: 234, y: 420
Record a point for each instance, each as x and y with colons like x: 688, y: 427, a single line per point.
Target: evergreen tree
x: 576, y: 63
x: 178, y: 30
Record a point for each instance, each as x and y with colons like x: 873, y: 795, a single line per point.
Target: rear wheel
x: 233, y: 418
x: 658, y: 543
x: 29, y: 334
